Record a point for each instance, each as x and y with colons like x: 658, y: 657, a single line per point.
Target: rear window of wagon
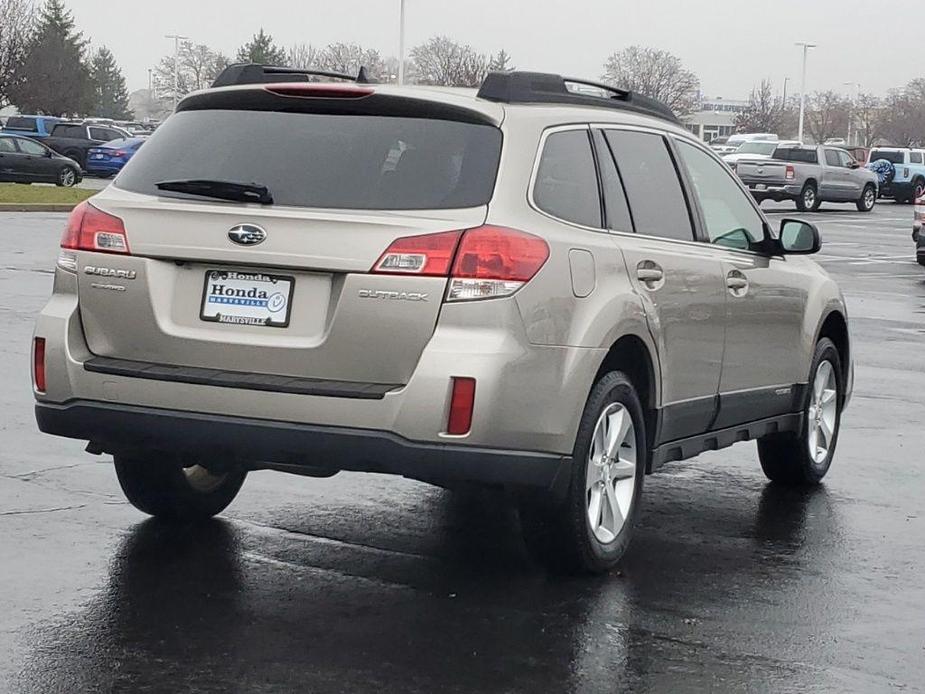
x: 324, y: 160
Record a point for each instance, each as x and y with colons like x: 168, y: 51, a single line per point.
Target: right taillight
x: 482, y: 263
x: 91, y: 229
x: 790, y: 172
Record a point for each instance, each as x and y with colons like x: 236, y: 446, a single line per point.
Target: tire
x: 786, y: 458
x: 164, y: 489
x: 67, y: 177
x: 808, y: 200
x: 559, y: 533
x: 867, y: 200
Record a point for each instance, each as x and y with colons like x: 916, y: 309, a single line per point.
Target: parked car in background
x: 908, y: 182
x: 24, y: 160
x: 917, y: 236
x: 74, y: 140
x: 739, y: 139
x: 108, y: 159
x: 757, y: 149
x: 36, y: 127
x: 810, y: 176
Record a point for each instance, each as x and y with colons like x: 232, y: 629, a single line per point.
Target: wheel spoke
x: 614, y: 508
x: 828, y: 395
x: 595, y: 506
x: 623, y: 470
x: 617, y: 424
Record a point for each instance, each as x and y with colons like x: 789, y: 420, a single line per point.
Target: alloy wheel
x: 822, y: 413
x: 611, y: 472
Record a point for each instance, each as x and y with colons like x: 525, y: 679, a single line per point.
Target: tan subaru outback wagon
x: 547, y: 285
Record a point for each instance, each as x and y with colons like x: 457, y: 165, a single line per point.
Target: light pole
x: 401, y: 43
x: 857, y: 98
x: 784, y: 97
x: 176, y: 66
x: 806, y: 47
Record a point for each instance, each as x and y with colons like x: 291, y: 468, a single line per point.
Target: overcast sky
x: 730, y: 45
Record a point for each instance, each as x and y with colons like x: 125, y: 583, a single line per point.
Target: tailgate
x: 767, y: 172
x: 189, y: 296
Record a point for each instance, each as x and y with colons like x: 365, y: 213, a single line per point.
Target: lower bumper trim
x: 116, y: 427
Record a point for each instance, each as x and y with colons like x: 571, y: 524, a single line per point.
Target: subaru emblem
x: 247, y: 235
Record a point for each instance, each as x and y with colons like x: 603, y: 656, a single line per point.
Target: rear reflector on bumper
x: 461, y: 405
x: 38, y: 364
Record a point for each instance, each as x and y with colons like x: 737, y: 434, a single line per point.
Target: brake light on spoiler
x: 482, y: 263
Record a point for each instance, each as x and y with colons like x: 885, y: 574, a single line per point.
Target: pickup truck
x: 74, y: 140
x: 810, y: 176
x: 36, y: 127
x: 908, y: 183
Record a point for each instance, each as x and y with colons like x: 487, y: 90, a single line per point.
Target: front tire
x: 804, y: 459
x: 67, y: 177
x: 867, y: 200
x: 590, y: 529
x: 163, y: 488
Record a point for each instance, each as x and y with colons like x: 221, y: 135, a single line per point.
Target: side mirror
x: 854, y: 165
x: 48, y: 154
x: 799, y: 238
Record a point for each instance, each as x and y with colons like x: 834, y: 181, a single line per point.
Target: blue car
x: 35, y: 127
x: 108, y: 159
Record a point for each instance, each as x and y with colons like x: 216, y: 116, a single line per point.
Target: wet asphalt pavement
x: 372, y: 583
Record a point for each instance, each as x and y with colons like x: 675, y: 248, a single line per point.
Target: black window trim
x: 600, y: 178
x: 565, y: 127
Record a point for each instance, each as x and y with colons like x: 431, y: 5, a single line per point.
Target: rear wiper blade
x: 221, y: 190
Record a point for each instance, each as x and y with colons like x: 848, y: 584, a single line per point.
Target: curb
x: 37, y: 207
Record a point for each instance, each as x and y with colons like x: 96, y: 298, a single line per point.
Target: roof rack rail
x: 547, y: 88
x: 254, y: 73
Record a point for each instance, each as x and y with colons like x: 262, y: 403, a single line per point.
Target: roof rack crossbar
x: 546, y: 88
x: 254, y: 73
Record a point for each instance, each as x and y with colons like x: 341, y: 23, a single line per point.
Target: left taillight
x: 38, y: 364
x: 91, y: 229
x: 482, y: 263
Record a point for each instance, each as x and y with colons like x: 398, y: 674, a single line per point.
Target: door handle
x: 737, y: 283
x: 650, y: 274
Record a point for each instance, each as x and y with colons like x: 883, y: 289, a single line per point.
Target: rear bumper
x: 97, y: 167
x: 115, y: 427
x: 772, y: 190
x: 897, y: 190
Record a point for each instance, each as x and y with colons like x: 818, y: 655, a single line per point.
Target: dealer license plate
x: 247, y: 298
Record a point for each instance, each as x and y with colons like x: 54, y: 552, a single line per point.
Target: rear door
x: 301, y: 300
x: 680, y: 281
x: 765, y: 297
x: 8, y: 160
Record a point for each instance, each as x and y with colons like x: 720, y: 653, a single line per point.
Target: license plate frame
x: 245, y: 281
x: 759, y: 186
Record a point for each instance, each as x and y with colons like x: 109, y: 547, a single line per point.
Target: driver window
x: 845, y: 159
x: 730, y: 218
x: 30, y: 147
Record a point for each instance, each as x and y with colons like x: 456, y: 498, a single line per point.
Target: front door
x: 9, y: 157
x: 765, y: 296
x: 41, y: 165
x: 680, y: 281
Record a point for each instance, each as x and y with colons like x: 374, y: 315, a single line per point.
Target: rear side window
x: 22, y: 123
x: 7, y: 146
x: 101, y: 134
x: 566, y: 181
x: 804, y: 156
x: 30, y: 147
x: 321, y: 160
x: 652, y: 184
x: 76, y: 131
x: 915, y: 157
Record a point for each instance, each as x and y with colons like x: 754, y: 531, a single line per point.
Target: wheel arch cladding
x: 630, y: 355
x: 835, y: 327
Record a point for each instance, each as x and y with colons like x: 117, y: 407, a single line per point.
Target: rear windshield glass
x: 757, y: 148
x: 892, y: 157
x: 316, y: 160
x: 20, y: 123
x: 807, y: 156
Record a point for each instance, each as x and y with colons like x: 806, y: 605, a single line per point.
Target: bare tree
x: 656, y: 74
x: 17, y: 21
x: 198, y: 65
x: 903, y: 121
x: 304, y: 56
x: 442, y: 61
x: 868, y: 118
x: 764, y: 113
x: 827, y: 115
x: 348, y: 58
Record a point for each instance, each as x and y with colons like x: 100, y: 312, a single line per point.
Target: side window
x: 30, y: 147
x: 730, y: 218
x: 845, y: 159
x: 831, y: 157
x: 616, y: 209
x: 915, y: 157
x: 7, y: 146
x: 652, y: 185
x: 566, y: 181
x: 99, y: 134
x: 68, y: 131
x: 113, y: 135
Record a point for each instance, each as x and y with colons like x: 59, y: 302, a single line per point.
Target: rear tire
x: 67, y: 177
x: 804, y: 459
x: 605, y: 484
x: 808, y: 200
x: 867, y: 200
x: 162, y: 488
